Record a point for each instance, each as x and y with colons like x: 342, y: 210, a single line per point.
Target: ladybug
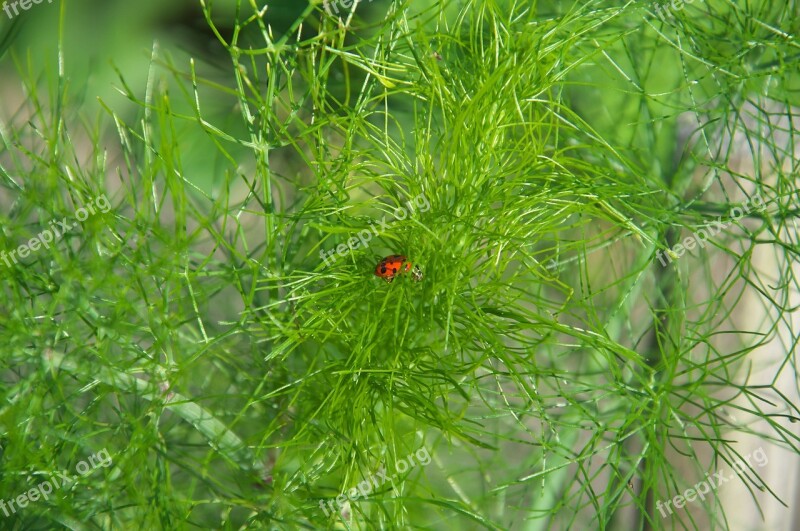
x: 389, y: 267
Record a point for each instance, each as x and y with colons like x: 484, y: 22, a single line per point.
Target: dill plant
x: 552, y: 369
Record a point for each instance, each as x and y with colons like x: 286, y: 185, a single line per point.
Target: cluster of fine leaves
x: 220, y: 331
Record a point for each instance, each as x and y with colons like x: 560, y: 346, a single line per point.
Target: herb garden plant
x: 588, y: 215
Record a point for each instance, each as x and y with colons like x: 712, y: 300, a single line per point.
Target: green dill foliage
x: 569, y: 359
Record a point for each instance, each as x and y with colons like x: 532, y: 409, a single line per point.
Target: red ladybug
x: 391, y: 266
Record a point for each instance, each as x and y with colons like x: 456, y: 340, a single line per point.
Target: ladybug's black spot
x: 383, y: 269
